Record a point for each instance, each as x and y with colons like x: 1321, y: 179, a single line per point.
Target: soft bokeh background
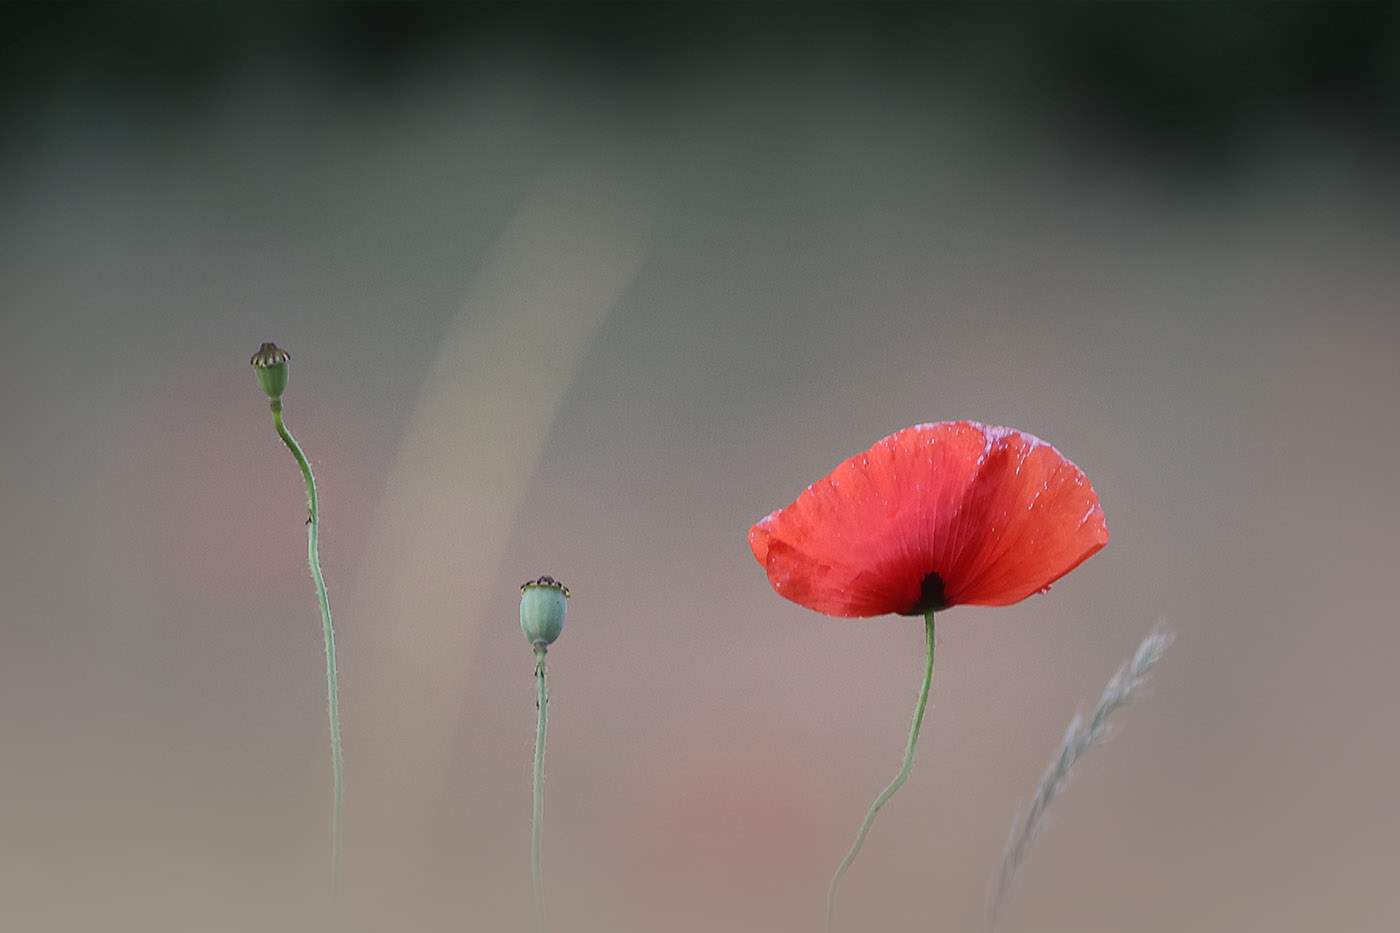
x: 586, y: 292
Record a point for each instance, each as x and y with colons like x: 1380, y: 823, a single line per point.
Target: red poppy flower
x: 937, y: 515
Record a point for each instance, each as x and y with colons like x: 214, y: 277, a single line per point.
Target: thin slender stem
x: 537, y: 820
x: 899, y: 778
x: 313, y: 557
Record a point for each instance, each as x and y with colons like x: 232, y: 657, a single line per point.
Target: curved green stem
x: 313, y: 557
x: 537, y: 820
x: 899, y: 778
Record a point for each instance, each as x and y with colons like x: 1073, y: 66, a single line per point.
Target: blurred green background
x: 585, y: 291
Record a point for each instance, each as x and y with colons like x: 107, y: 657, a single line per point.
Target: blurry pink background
x: 552, y: 309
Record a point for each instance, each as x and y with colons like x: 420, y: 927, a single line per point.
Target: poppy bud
x: 542, y: 606
x: 270, y: 363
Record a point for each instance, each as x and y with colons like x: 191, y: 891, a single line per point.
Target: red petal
x: 995, y: 514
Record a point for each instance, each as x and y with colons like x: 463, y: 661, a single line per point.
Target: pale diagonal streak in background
x: 501, y: 370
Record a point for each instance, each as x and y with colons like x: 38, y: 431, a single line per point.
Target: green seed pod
x: 270, y: 363
x: 542, y: 606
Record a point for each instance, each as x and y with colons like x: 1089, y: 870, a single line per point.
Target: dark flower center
x: 931, y: 597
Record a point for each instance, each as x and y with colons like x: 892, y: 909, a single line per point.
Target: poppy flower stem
x: 313, y: 556
x: 899, y: 778
x: 537, y: 820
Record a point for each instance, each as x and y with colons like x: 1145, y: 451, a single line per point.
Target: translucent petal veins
x: 937, y: 515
